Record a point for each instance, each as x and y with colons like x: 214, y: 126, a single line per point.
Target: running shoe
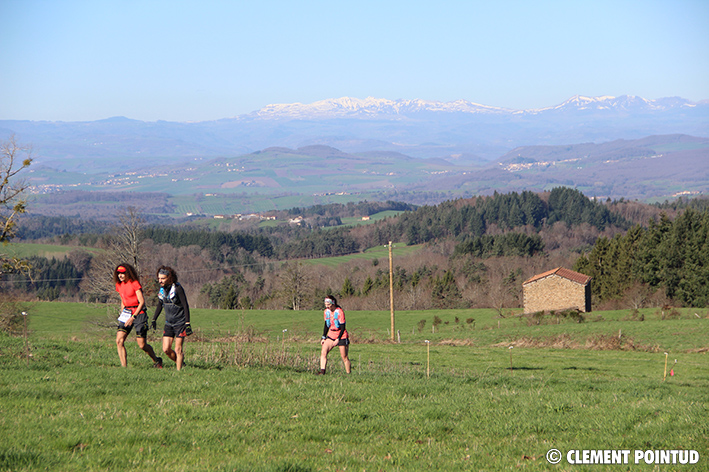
x: 158, y: 363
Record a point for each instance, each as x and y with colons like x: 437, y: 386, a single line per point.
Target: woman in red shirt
x: 133, y: 313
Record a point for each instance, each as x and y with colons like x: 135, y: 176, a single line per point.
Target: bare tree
x: 125, y: 242
x: 295, y: 284
x: 13, y: 159
x: 637, y: 296
x: 415, y: 298
x: 504, y: 284
x: 129, y: 239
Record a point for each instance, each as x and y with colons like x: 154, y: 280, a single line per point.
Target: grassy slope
x: 380, y: 253
x: 243, y: 405
x: 23, y: 250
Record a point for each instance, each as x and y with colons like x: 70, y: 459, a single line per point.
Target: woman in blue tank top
x: 334, y: 334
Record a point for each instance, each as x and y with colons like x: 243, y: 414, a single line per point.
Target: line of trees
x: 671, y: 256
x: 363, y: 208
x: 40, y: 226
x: 50, y: 278
x: 218, y: 243
x: 510, y: 244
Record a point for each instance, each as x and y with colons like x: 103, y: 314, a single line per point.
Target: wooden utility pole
x: 391, y: 290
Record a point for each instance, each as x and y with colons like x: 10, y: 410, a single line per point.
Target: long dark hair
x: 170, y: 272
x: 131, y: 273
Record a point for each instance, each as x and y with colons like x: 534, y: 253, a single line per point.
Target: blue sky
x: 76, y: 60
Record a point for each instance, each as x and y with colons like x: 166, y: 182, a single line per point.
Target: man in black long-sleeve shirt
x: 177, y: 314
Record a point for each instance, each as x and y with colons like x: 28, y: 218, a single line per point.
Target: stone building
x: 557, y: 289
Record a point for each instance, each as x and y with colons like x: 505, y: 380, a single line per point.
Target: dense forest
x: 672, y: 256
x: 464, y: 219
x: 472, y: 252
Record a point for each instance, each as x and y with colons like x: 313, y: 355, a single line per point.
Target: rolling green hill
x: 317, y: 170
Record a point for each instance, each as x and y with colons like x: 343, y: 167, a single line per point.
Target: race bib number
x: 125, y: 315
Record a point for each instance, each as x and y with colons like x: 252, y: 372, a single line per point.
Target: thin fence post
x: 27, y: 345
x: 665, y: 374
x: 511, y: 369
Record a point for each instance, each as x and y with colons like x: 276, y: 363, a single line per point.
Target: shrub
x: 10, y: 317
x: 421, y: 324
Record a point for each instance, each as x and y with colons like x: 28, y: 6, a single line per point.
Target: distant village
x: 240, y: 217
x: 298, y: 220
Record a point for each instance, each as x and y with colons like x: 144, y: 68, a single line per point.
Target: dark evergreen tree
x: 347, y: 287
x: 445, y: 292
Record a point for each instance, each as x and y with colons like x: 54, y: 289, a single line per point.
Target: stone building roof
x: 561, y: 272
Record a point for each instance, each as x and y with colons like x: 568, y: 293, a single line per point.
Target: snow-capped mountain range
x: 373, y: 107
x: 459, y: 130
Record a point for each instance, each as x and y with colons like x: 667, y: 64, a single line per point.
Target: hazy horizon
x: 80, y: 60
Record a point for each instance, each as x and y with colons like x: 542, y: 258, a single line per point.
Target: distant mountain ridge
x: 460, y: 131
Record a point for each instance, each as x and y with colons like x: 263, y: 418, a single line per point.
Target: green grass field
x: 24, y: 250
x: 354, y: 221
x: 380, y: 253
x: 247, y: 399
x: 225, y: 203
